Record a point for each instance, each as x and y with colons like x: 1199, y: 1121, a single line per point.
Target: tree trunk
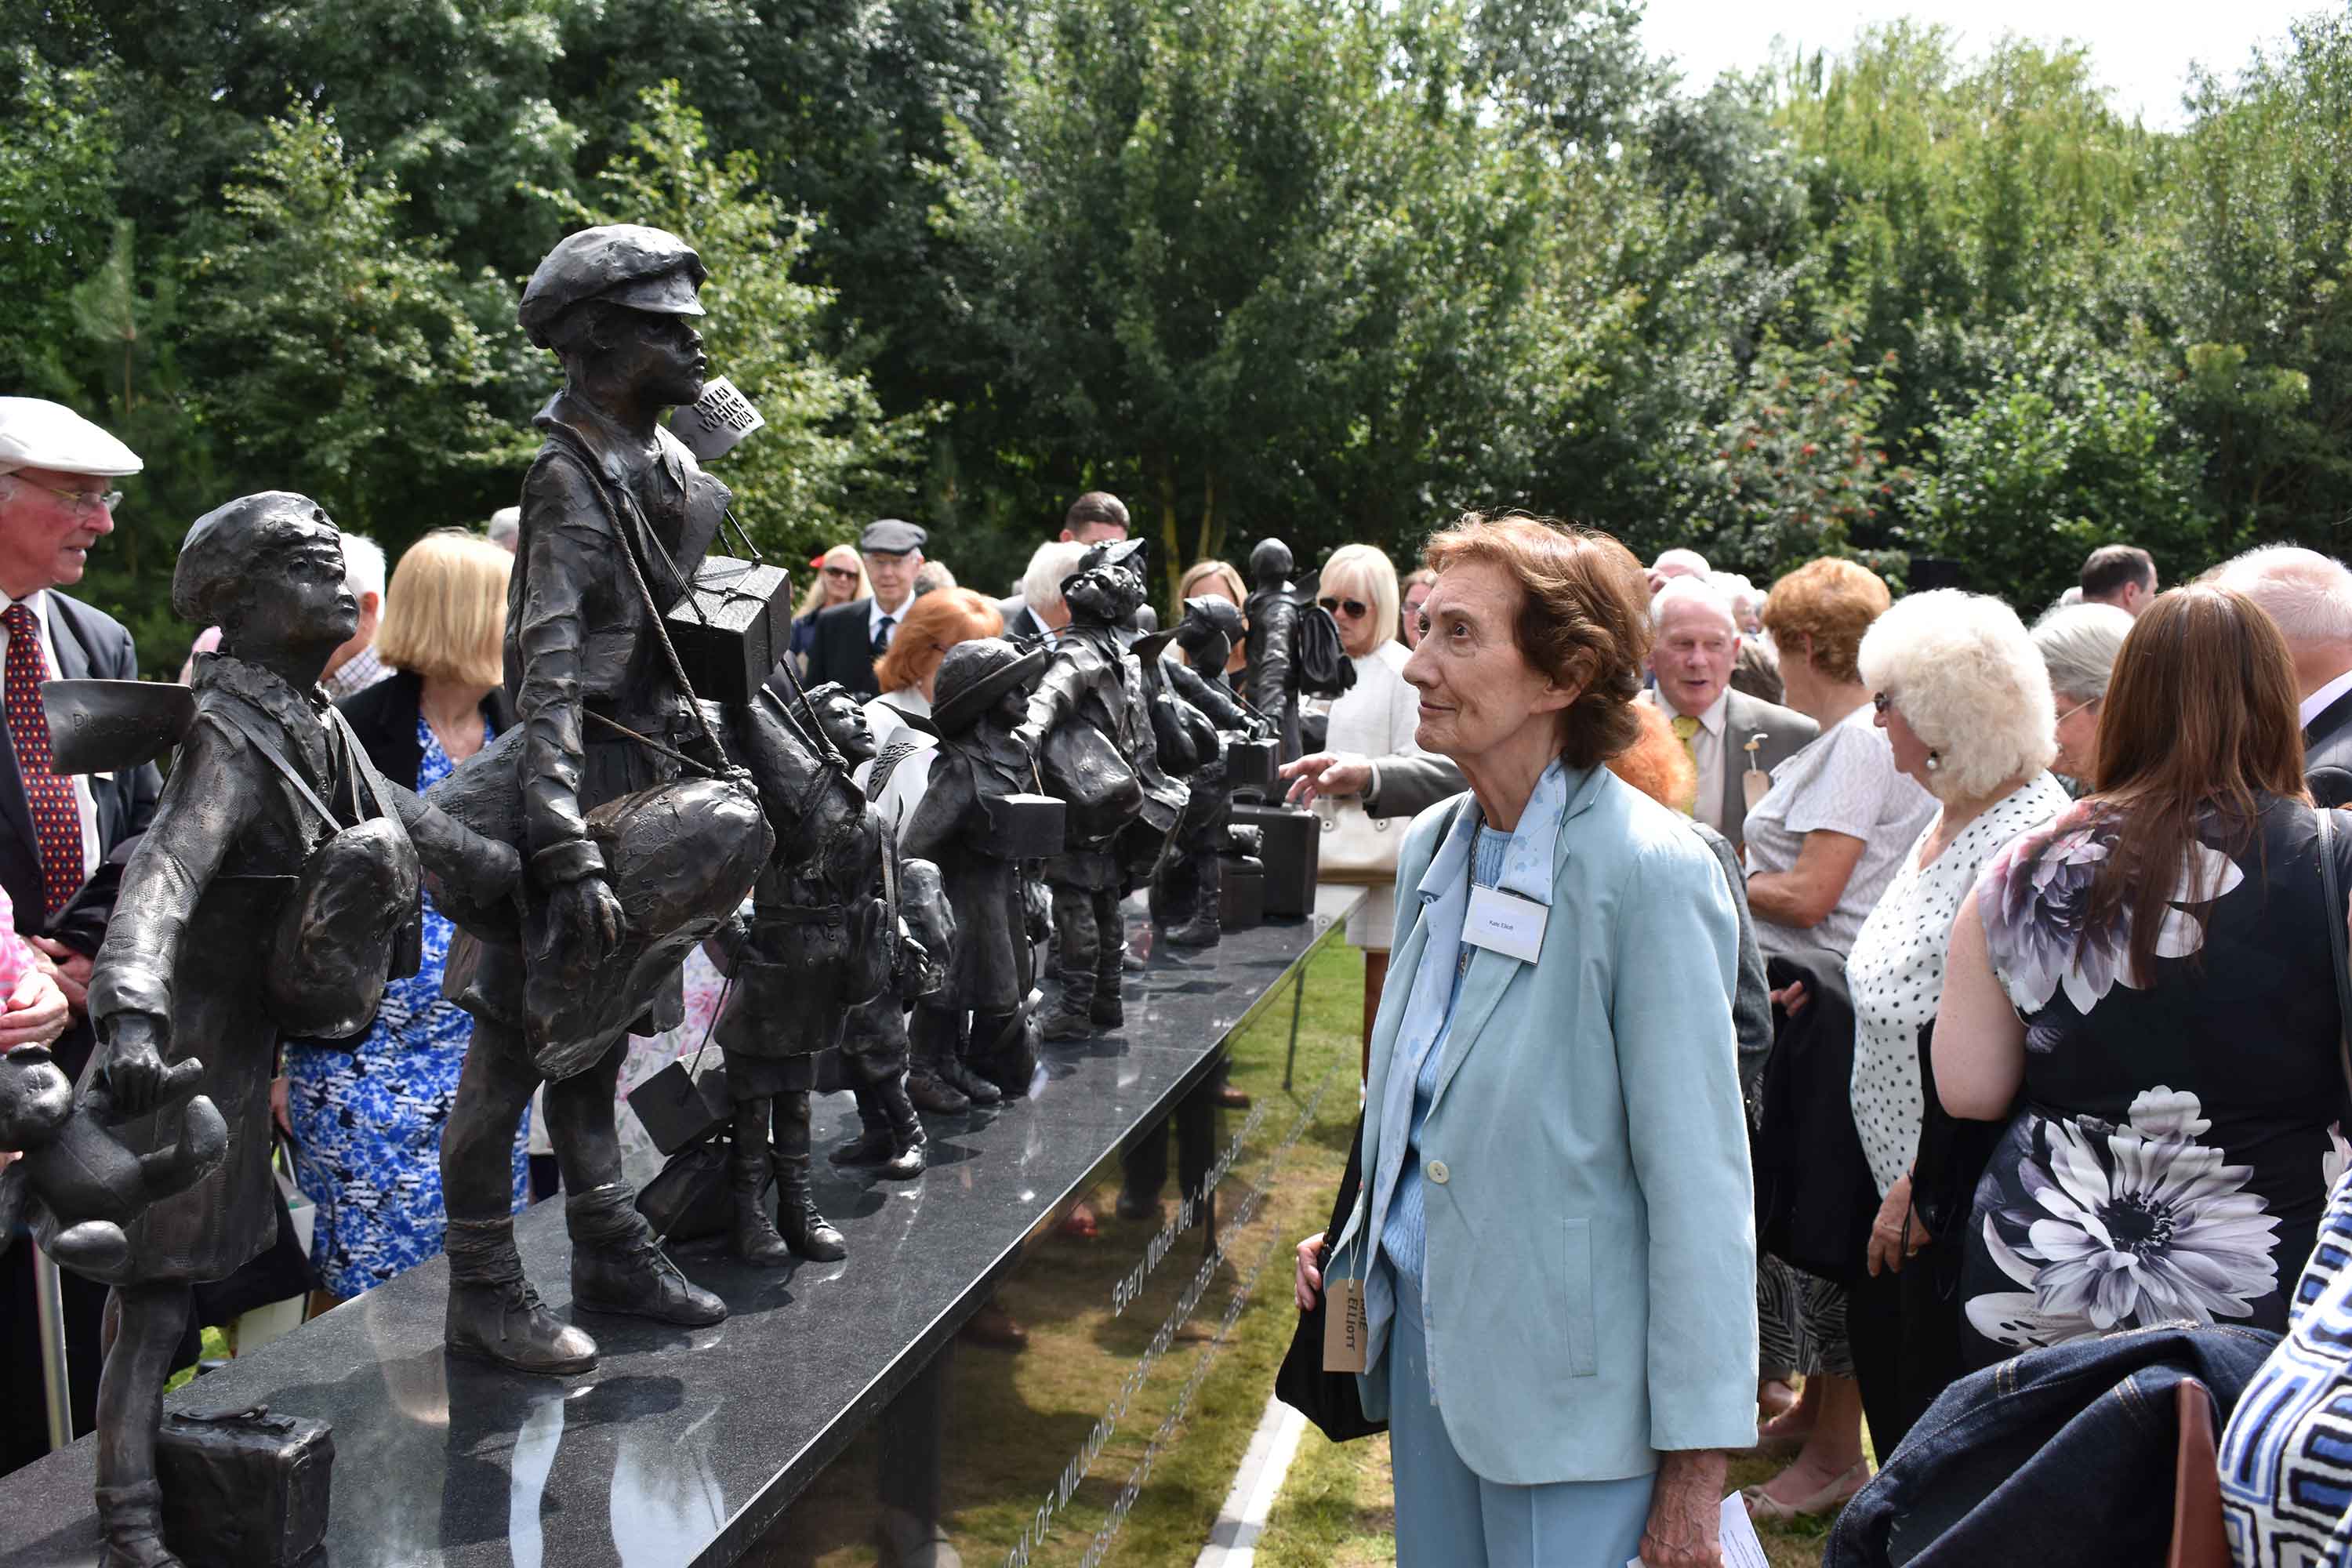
x: 1163, y: 474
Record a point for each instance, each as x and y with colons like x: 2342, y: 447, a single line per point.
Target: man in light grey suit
x: 1699, y: 641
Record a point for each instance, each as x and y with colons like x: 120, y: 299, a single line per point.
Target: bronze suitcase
x: 243, y: 1489
x: 1290, y: 845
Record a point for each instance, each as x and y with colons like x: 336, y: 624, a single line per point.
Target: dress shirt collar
x: 875, y: 612
x: 40, y: 601
x: 2316, y: 704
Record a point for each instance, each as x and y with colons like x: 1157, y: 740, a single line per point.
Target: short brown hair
x: 1829, y: 603
x: 1095, y: 506
x: 1584, y: 618
x: 445, y: 614
x: 934, y: 624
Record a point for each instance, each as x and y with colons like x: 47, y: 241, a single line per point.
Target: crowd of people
x: 2021, y: 989
x: 1779, y: 1006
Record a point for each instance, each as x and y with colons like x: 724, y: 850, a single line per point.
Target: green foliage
x: 56, y: 213
x: 826, y: 457
x: 342, y: 358
x: 1332, y: 270
x: 2036, y: 471
x: 1797, y: 470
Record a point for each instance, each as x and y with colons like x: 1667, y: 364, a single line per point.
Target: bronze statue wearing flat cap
x: 272, y: 896
x: 616, y: 516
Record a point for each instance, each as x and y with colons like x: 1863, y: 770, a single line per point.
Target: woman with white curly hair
x: 1965, y: 701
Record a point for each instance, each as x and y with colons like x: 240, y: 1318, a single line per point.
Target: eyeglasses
x: 81, y: 500
x: 1355, y: 610
x: 849, y: 572
x: 1881, y: 702
x: 2080, y: 707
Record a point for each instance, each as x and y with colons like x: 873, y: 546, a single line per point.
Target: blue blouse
x: 1406, y: 1235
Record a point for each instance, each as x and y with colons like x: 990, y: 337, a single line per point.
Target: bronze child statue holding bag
x: 274, y: 894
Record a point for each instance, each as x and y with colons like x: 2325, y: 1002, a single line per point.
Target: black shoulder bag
x: 1329, y: 1399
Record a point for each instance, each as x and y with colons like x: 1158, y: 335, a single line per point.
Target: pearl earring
x: 1935, y: 760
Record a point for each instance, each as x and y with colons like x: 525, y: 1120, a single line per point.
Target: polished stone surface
x: 683, y: 1446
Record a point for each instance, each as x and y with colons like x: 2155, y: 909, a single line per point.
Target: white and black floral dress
x: 2172, y: 1151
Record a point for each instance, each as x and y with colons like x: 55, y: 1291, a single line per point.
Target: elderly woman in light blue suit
x: 1554, y: 1235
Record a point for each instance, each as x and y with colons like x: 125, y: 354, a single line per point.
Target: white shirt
x: 2319, y: 702
x: 875, y: 612
x: 1896, y: 973
x: 913, y: 774
x: 86, y: 803
x: 1844, y: 780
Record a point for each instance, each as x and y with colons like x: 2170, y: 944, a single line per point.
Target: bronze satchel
x: 1085, y: 770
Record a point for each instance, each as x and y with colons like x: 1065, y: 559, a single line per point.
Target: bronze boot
x: 907, y: 1156
x: 618, y: 1266
x: 874, y: 1144
x: 805, y: 1231
x: 133, y: 1520
x: 755, y: 1240
x: 494, y: 1315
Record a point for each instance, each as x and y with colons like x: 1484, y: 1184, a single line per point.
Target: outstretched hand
x: 1327, y: 774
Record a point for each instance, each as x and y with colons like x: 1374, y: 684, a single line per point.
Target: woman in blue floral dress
x: 367, y: 1123
x: 2144, y: 989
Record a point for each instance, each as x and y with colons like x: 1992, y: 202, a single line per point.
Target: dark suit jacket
x: 843, y: 650
x: 2327, y: 754
x: 85, y: 643
x: 1020, y: 620
x: 384, y: 716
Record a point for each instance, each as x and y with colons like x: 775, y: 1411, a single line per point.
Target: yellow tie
x: 1685, y: 728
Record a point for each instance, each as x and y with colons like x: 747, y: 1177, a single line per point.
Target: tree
x: 2046, y: 464
x: 56, y: 213
x: 826, y: 456
x: 344, y: 357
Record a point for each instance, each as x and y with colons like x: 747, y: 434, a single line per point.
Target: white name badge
x: 1504, y: 923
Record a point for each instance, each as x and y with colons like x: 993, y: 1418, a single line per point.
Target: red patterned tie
x: 57, y: 818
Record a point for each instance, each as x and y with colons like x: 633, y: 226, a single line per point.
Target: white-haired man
x: 1728, y: 733
x: 353, y: 667
x: 2310, y: 596
x: 1673, y: 564
x: 63, y: 838
x: 1037, y: 611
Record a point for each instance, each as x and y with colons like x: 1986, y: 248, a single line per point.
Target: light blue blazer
x: 1590, y: 1275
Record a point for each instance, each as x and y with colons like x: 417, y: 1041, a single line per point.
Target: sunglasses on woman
x: 1354, y: 609
x: 847, y: 574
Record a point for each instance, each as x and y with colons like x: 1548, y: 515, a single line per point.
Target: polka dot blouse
x: 1896, y: 971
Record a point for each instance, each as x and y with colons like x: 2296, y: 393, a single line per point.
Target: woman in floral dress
x: 366, y: 1121
x: 2145, y: 990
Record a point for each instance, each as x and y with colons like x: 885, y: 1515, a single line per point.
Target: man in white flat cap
x: 59, y: 834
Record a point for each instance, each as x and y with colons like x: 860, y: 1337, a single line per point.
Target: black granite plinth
x: 683, y: 1446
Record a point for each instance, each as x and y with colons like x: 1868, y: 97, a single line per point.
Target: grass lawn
x: 1014, y: 1420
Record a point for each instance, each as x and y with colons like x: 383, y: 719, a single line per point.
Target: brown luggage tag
x: 1344, y: 1330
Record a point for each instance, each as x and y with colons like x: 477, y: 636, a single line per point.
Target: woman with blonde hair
x: 836, y: 577
x: 1371, y: 722
x: 1217, y: 577
x: 367, y: 1123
